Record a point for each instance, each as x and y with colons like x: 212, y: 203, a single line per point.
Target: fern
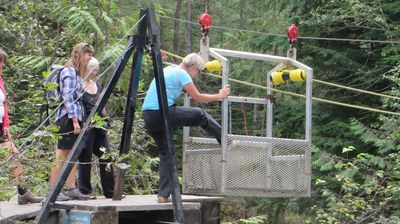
x: 37, y: 62
x: 383, y: 139
x: 252, y: 220
x: 79, y: 20
x: 105, y: 18
x: 112, y: 53
x: 324, y: 161
x: 82, y: 20
x: 376, y: 160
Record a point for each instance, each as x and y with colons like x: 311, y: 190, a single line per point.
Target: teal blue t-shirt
x: 175, y: 79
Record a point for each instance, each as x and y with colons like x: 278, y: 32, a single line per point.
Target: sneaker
x: 92, y: 196
x: 62, y: 197
x: 163, y: 199
x: 76, y: 194
x: 28, y: 197
x: 233, y: 144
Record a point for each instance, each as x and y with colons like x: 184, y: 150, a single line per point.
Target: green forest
x: 351, y: 43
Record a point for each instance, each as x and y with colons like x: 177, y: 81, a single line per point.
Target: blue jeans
x: 179, y: 117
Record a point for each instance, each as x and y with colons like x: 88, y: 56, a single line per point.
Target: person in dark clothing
x: 97, y: 141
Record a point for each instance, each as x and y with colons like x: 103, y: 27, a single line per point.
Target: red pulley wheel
x: 292, y: 33
x: 205, y: 21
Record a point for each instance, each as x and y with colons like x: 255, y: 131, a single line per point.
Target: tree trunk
x: 188, y: 29
x: 96, y: 41
x: 242, y: 2
x: 107, y: 32
x: 176, y: 26
x: 222, y: 22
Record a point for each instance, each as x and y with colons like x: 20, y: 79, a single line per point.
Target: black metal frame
x: 138, y: 43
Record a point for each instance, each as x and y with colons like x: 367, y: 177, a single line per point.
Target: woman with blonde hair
x: 97, y: 138
x: 179, y: 78
x: 24, y: 196
x: 70, y: 115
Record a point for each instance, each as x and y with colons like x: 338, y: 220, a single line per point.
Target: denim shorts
x: 68, y: 138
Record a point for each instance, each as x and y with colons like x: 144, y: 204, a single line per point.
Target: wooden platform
x: 131, y: 204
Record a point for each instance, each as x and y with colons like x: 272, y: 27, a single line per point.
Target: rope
x: 56, y: 109
x: 299, y: 95
x: 123, y: 38
x: 354, y: 89
x: 325, y: 83
x: 314, y: 98
x: 99, y: 76
x: 21, y: 154
x: 94, y: 161
x: 281, y: 35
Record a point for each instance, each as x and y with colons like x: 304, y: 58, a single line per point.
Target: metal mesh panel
x: 268, y: 167
x: 253, y: 166
x: 202, y: 168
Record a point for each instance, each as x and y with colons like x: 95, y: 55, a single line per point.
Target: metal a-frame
x: 136, y: 45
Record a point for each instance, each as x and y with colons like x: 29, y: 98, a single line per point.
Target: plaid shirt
x: 71, y: 89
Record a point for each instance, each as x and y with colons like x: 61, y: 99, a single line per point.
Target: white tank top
x: 2, y: 99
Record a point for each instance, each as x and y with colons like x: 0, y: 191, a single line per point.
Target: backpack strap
x: 59, y: 79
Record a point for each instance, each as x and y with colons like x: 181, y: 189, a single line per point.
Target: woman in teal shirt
x: 178, y: 78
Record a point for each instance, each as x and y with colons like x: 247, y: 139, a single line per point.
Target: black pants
x: 179, y: 116
x: 96, y: 139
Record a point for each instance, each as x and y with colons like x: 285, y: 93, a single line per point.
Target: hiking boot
x: 62, y: 197
x: 28, y: 197
x: 164, y: 199
x: 76, y: 194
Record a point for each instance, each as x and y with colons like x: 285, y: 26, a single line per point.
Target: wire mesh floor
x: 250, y: 166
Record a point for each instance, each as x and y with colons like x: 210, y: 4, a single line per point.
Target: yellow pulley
x: 213, y: 66
x: 281, y: 77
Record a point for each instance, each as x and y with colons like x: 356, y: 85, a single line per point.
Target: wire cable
x: 323, y: 82
x: 281, y: 35
x: 356, y: 90
x: 21, y: 154
x: 295, y: 94
x: 314, y: 98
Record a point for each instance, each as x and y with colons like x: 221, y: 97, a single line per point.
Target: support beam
x: 135, y: 42
x: 163, y: 105
x: 131, y: 99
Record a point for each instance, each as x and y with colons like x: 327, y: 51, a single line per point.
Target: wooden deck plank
x: 11, y: 210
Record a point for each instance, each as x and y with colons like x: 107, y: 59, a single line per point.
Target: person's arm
x: 103, y: 112
x: 203, y: 98
x: 6, y: 122
x: 67, y: 88
x: 67, y: 92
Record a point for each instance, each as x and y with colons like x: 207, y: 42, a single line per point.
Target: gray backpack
x: 51, y: 85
